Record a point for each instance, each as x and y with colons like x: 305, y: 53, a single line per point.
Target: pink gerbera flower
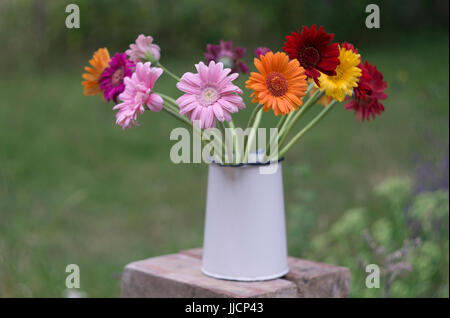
x: 138, y: 94
x: 144, y: 50
x: 209, y: 94
x: 111, y: 80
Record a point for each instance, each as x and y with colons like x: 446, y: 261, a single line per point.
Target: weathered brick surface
x: 317, y: 279
x: 179, y: 275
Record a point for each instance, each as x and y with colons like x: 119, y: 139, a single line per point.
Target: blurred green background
x: 75, y: 188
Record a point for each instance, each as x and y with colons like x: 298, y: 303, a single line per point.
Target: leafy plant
x: 408, y: 239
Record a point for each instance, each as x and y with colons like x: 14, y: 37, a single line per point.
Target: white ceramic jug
x: 245, y: 228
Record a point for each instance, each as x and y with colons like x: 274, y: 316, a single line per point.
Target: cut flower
x: 313, y: 50
x: 138, y: 94
x: 209, y: 94
x: 99, y: 62
x: 280, y: 83
x: 346, y: 78
x: 262, y: 50
x: 111, y: 81
x: 349, y: 46
x: 369, y: 92
x: 144, y: 50
x: 226, y: 54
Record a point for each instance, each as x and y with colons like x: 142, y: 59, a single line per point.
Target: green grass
x: 74, y: 188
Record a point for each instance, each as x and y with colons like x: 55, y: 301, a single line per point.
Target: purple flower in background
x: 225, y: 54
x: 433, y: 175
x: 111, y: 80
x: 262, y: 50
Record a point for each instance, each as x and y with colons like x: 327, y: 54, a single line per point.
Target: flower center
x: 310, y: 56
x: 209, y: 95
x: 117, y: 77
x: 277, y: 84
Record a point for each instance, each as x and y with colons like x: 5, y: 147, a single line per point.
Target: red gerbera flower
x: 313, y: 50
x: 369, y: 92
x: 363, y: 88
x: 349, y: 46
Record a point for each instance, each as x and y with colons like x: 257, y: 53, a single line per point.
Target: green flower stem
x: 252, y: 133
x: 225, y: 152
x: 235, y: 142
x: 168, y: 72
x: 272, y: 139
x: 310, y: 86
x: 253, y: 115
x: 251, y: 121
x: 311, y: 101
x: 170, y: 102
x: 292, y: 114
x: 174, y: 113
x: 170, y: 99
x: 281, y: 121
x: 302, y: 132
x: 174, y: 109
x: 283, y: 126
x: 169, y: 109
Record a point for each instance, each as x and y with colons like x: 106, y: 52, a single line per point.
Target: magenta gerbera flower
x: 224, y: 53
x: 138, y: 94
x: 111, y: 80
x: 209, y: 94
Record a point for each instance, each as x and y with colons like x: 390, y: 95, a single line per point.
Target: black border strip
x: 261, y: 164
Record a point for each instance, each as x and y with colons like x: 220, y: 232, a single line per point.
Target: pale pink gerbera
x: 209, y: 94
x: 144, y: 50
x: 138, y: 94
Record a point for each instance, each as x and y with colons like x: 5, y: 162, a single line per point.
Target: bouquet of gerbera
x: 311, y: 70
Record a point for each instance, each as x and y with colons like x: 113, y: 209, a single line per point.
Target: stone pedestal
x: 179, y: 275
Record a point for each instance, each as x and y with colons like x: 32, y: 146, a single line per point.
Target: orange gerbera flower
x: 99, y: 62
x: 280, y: 83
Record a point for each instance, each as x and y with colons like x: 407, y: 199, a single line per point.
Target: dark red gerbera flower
x: 313, y: 50
x: 370, y: 90
x: 362, y: 88
x: 349, y: 46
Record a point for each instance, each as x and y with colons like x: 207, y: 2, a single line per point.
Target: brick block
x: 179, y: 275
x: 317, y: 279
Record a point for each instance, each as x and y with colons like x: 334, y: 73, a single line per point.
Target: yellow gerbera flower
x: 346, y: 78
x: 99, y: 62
